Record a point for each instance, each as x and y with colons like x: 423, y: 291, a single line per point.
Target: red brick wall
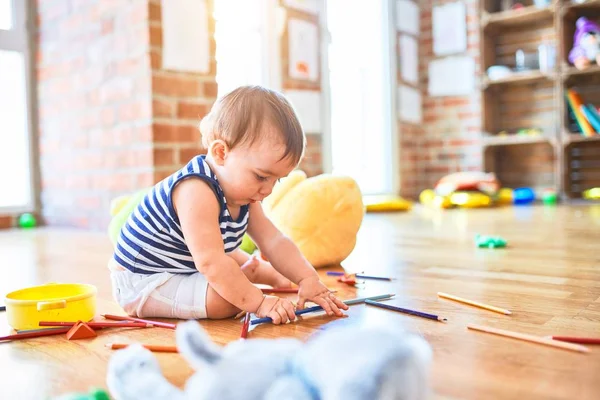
x: 111, y: 120
x: 451, y: 134
x: 94, y: 106
x: 179, y: 101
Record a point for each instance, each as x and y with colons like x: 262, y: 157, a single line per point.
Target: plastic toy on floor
x: 346, y: 362
x: 462, y: 189
x: 386, y: 203
x: 490, y: 242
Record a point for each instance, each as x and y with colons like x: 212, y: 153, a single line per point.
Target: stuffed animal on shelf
x: 351, y: 362
x: 586, y: 44
x: 321, y: 214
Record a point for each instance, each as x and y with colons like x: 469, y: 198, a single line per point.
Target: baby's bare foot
x: 259, y: 271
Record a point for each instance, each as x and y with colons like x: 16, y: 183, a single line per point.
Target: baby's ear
x: 195, y: 345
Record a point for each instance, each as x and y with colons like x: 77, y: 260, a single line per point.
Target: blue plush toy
x: 350, y: 362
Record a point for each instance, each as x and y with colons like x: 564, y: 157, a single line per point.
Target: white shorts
x: 164, y: 294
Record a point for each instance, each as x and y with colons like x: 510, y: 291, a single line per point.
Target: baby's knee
x: 217, y: 307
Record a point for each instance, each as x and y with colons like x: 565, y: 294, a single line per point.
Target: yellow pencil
x: 474, y: 303
x: 530, y: 338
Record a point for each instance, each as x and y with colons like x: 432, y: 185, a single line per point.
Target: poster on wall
x: 409, y: 59
x: 462, y: 71
x: 309, y: 6
x: 407, y: 16
x: 307, y: 104
x: 303, y: 48
x: 409, y: 104
x: 185, y: 36
x: 449, y: 24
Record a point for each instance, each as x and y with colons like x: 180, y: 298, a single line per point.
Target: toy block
x: 81, y: 330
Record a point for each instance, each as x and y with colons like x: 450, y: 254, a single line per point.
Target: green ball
x: 27, y: 220
x: 549, y: 198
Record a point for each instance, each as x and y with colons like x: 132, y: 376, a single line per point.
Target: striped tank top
x: 151, y: 241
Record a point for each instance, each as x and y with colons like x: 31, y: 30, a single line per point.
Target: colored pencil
x: 580, y: 340
x: 151, y: 347
x: 40, y: 333
x: 128, y: 318
x: 40, y: 330
x: 245, y: 326
x: 530, y: 338
x: 378, y: 278
x: 279, y: 290
x: 474, y: 303
x: 405, y: 310
x: 94, y: 324
x: 2, y: 308
x: 319, y: 308
x: 335, y: 273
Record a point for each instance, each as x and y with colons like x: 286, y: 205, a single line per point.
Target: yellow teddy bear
x: 321, y: 215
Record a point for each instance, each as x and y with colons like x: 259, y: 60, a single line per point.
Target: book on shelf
x: 576, y: 105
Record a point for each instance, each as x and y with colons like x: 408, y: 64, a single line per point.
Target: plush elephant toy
x: 586, y: 44
x: 349, y: 362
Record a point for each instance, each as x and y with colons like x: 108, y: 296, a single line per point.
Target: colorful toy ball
x: 523, y: 195
x: 27, y: 220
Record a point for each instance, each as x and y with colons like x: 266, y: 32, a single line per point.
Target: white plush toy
x: 350, y: 362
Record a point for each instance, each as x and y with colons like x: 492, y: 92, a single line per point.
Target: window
x: 15, y: 129
x: 246, y: 43
x: 361, y: 90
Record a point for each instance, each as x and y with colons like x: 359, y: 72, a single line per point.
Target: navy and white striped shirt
x: 151, y: 241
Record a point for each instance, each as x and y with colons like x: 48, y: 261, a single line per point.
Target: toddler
x: 177, y: 255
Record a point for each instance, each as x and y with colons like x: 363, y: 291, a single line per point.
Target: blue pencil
x: 319, y: 308
x: 379, y: 278
x: 405, y: 310
x: 335, y: 273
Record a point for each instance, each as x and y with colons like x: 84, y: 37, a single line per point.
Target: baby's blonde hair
x: 237, y: 119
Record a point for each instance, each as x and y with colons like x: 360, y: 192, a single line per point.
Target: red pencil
x: 128, y: 318
x: 245, y: 326
x: 28, y: 335
x: 280, y: 290
x: 94, y: 324
x: 580, y: 340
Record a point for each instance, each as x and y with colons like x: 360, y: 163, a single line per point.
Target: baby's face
x: 251, y: 171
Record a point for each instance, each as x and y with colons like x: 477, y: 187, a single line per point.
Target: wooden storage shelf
x: 582, y: 167
x: 560, y: 157
x: 570, y: 72
x: 571, y: 137
x: 523, y: 165
x: 512, y: 139
x: 511, y: 18
x: 518, y: 77
x: 587, y: 5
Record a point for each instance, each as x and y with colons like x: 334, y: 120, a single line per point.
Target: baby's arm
x: 283, y: 254
x: 286, y: 258
x: 198, y: 211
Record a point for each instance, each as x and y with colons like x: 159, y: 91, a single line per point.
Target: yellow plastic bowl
x: 25, y: 308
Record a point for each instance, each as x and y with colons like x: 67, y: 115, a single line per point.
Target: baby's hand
x: 278, y: 309
x: 312, y: 289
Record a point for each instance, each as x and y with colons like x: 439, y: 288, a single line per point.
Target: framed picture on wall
x: 303, y: 50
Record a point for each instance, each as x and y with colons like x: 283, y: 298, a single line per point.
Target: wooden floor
x: 549, y: 276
